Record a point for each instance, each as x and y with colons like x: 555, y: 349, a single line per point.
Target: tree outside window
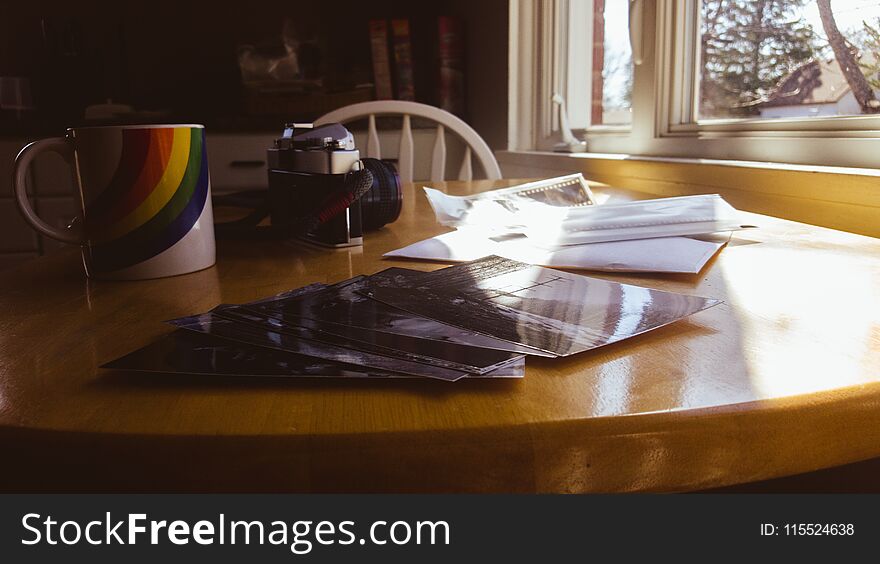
x: 789, y: 58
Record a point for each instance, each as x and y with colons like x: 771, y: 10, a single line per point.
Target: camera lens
x: 381, y: 204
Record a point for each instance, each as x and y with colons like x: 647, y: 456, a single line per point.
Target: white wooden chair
x: 474, y: 144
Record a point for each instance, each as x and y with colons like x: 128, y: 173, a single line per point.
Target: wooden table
x: 782, y: 378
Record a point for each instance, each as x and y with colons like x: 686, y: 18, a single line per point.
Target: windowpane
x: 612, y: 64
x: 789, y: 58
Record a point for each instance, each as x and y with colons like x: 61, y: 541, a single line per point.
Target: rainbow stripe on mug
x: 154, y: 197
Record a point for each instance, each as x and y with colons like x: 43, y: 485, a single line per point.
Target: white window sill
x: 552, y: 160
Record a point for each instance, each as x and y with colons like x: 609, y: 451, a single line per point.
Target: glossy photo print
x: 345, y: 306
x: 225, y: 328
x: 189, y: 352
x: 446, y: 354
x: 551, y: 310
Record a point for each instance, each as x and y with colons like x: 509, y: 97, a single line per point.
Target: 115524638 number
x: 818, y: 529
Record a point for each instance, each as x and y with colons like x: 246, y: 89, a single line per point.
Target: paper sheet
x: 665, y: 254
x: 500, y: 213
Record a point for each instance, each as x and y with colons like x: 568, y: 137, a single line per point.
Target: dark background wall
x: 180, y: 57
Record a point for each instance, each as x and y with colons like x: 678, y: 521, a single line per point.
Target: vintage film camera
x: 320, y: 188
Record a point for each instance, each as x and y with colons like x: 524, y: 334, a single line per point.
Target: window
x: 789, y: 81
x: 613, y: 66
x: 788, y: 58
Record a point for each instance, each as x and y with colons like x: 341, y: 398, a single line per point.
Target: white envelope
x: 555, y: 224
x: 665, y: 254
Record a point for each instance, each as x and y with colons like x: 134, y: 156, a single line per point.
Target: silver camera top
x: 307, y: 137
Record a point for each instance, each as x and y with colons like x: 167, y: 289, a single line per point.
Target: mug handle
x: 22, y: 162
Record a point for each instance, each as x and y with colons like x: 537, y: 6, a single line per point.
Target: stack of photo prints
x: 478, y: 319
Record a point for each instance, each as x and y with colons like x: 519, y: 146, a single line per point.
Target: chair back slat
x: 466, y: 172
x: 373, y: 149
x: 475, y: 146
x: 406, y: 154
x: 438, y: 159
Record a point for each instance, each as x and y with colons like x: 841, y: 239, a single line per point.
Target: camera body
x: 320, y: 189
x: 307, y: 166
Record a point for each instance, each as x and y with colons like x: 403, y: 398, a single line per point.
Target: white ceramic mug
x: 145, y: 199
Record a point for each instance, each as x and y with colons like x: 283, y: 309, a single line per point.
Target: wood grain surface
x: 781, y: 378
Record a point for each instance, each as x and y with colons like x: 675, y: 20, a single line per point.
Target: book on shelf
x: 381, y: 61
x: 403, y: 62
x: 450, y: 32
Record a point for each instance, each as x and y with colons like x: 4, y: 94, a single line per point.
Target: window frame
x: 665, y: 90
